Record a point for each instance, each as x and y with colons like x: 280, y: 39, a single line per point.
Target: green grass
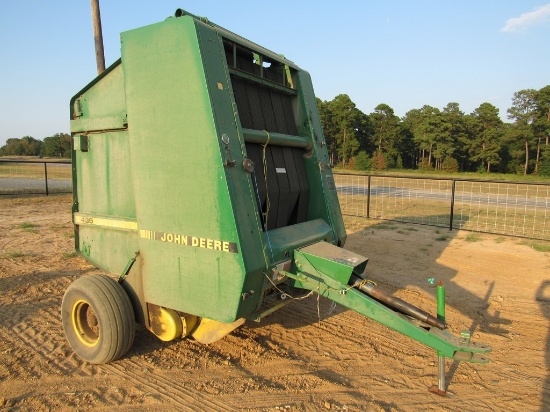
x: 500, y: 239
x: 12, y: 255
x: 540, y: 246
x: 29, y: 227
x: 473, y: 237
x: 442, y: 238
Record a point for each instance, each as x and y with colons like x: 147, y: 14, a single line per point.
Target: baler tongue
x: 337, y: 274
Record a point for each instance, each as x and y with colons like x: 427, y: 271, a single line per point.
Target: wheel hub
x: 85, y: 323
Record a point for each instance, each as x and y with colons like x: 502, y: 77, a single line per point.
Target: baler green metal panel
x: 239, y: 183
x: 189, y: 243
x: 101, y: 104
x: 103, y: 177
x: 102, y: 182
x: 108, y: 248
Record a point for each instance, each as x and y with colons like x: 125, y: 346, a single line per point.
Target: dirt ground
x: 498, y: 287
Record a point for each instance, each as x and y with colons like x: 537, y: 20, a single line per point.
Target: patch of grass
x: 540, y: 247
x: 383, y: 226
x: 412, y: 229
x: 12, y: 255
x: 28, y: 225
x: 500, y: 239
x: 442, y: 238
x: 473, y: 237
x: 437, y: 231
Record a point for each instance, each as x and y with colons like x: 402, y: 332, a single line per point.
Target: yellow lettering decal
x: 186, y: 240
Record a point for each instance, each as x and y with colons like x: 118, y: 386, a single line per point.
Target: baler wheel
x: 98, y: 318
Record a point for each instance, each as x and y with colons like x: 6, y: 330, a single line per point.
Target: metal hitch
x: 331, y: 272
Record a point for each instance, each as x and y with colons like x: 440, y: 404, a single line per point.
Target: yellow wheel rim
x: 85, y: 323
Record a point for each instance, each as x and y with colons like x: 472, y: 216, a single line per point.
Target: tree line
x: 445, y: 140
x: 58, y: 145
x: 427, y: 138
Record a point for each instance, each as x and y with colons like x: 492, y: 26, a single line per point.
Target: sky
x: 404, y: 53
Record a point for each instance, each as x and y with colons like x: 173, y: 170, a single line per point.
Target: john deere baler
x: 202, y: 183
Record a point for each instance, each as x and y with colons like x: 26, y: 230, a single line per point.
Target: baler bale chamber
x: 202, y: 182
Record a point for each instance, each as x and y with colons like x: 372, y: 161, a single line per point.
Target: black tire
x: 98, y: 319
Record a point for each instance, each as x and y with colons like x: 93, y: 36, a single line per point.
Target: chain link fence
x: 508, y: 208
x: 35, y: 177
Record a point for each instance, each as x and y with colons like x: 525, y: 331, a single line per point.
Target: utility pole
x: 98, y: 37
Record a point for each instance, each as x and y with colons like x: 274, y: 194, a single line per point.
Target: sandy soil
x: 497, y: 287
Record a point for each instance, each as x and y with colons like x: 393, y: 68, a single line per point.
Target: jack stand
x: 440, y: 388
